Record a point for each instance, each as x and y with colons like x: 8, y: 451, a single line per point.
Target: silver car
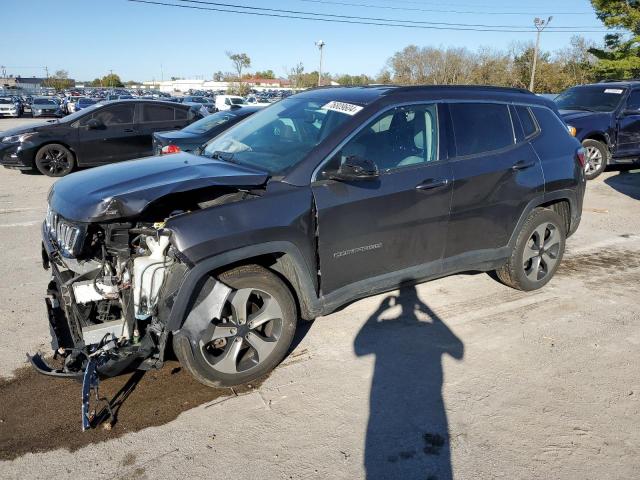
x: 8, y: 107
x: 45, y: 107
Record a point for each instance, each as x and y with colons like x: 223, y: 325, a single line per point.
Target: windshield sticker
x: 617, y: 91
x: 342, y: 107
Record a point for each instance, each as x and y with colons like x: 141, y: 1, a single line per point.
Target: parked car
x: 225, y: 102
x: 203, y: 101
x: 605, y: 117
x: 193, y: 136
x: 83, y: 103
x: 45, y: 107
x: 325, y: 197
x: 96, y: 135
x: 9, y: 108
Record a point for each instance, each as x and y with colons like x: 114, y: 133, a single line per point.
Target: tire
x: 534, y: 272
x: 597, y: 157
x: 211, y: 359
x: 54, y: 160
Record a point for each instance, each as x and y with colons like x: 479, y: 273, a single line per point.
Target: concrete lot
x: 462, y: 377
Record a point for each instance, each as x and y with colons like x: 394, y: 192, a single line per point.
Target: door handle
x: 431, y: 183
x: 522, y: 165
x: 129, y: 130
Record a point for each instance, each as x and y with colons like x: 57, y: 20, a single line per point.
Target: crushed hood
x: 125, y: 189
x: 575, y: 115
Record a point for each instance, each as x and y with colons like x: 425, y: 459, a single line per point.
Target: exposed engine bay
x: 112, y: 289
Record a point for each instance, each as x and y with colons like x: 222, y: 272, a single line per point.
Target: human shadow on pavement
x: 407, y: 433
x: 627, y: 182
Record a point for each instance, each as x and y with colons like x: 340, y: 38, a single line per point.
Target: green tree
x: 240, y: 61
x: 265, y: 74
x: 620, y: 58
x: 59, y: 80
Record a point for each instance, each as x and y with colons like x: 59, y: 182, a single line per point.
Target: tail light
x: 581, y: 156
x: 170, y: 149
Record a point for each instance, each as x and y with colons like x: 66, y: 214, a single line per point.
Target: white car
x: 8, y: 108
x: 225, y: 102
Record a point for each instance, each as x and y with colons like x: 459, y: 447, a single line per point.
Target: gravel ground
x: 460, y: 377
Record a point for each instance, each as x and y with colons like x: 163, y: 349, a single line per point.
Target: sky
x: 138, y: 41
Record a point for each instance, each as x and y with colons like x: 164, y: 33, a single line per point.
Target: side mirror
x: 356, y: 168
x: 94, y: 124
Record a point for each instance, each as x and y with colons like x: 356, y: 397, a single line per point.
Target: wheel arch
x: 282, y: 258
x: 53, y: 142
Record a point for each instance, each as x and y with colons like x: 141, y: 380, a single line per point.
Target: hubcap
x: 248, y: 332
x: 53, y: 160
x: 594, y: 160
x: 541, y: 252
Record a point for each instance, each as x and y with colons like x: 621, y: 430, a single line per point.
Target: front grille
x: 63, y: 233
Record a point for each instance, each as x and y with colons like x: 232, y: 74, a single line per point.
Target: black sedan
x: 97, y: 135
x: 190, y: 138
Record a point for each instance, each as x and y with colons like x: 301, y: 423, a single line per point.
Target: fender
x: 192, y: 280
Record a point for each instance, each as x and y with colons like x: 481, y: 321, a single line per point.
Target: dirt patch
x: 39, y: 413
x: 614, y: 261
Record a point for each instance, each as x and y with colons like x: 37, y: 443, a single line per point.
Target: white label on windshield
x: 342, y: 107
x: 617, y: 91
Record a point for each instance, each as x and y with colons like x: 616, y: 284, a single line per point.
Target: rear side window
x: 481, y: 127
x: 181, y: 114
x: 526, y: 119
x: 157, y: 113
x: 549, y: 121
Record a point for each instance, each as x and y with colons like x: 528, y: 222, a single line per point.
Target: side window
x: 116, y: 115
x: 157, y: 113
x: 526, y: 120
x: 481, y: 127
x: 227, y: 101
x: 181, y: 114
x: 402, y: 137
x: 633, y: 102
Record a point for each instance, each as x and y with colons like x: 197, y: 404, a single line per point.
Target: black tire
x: 532, y: 273
x: 597, y: 157
x: 200, y: 361
x: 54, y: 160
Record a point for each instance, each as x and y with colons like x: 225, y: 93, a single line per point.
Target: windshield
x: 237, y: 101
x: 6, y: 100
x: 86, y: 101
x: 209, y: 122
x: 43, y: 101
x: 591, y: 99
x: 277, y: 137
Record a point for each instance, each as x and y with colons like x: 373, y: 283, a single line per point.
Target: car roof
x: 142, y: 100
x: 613, y: 83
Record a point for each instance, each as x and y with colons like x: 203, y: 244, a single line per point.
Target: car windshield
x: 237, y: 101
x: 277, y: 137
x: 86, y: 101
x: 43, y: 101
x: 6, y: 100
x: 591, y: 99
x: 207, y: 123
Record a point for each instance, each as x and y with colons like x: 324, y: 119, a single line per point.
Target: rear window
x: 528, y: 123
x: 157, y: 113
x: 481, y: 127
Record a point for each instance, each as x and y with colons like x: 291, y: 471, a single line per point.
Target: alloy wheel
x: 541, y: 252
x: 594, y: 160
x: 54, y: 160
x: 247, y: 334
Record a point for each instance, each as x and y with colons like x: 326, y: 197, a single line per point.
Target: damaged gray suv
x: 325, y: 197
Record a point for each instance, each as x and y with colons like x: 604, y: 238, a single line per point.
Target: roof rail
x: 612, y: 80
x: 478, y: 87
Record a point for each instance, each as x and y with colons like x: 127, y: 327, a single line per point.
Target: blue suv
x: 605, y: 117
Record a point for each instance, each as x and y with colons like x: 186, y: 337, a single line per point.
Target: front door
x: 628, y: 144
x: 391, y: 223
x: 112, y: 140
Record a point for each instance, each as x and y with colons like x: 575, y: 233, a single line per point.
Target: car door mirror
x: 356, y: 168
x: 94, y: 124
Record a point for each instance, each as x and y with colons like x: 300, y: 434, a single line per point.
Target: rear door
x: 629, y: 127
x: 158, y: 117
x: 496, y: 173
x: 114, y: 139
x: 387, y: 225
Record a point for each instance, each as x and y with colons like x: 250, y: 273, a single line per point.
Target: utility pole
x: 320, y: 44
x: 46, y: 69
x: 540, y: 25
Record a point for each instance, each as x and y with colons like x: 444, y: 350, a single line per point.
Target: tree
x: 295, y: 75
x: 240, y: 61
x: 218, y: 76
x: 59, y: 80
x: 268, y: 74
x: 346, y: 79
x: 621, y: 56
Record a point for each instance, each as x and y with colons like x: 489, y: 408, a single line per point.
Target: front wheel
x: 537, y: 253
x: 597, y: 155
x: 54, y: 160
x: 252, y: 337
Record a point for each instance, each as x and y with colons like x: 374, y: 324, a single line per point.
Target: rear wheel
x: 537, y: 253
x: 54, y: 160
x: 597, y: 155
x: 254, y: 334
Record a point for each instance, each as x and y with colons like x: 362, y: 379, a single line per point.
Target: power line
x: 352, y: 17
x: 416, y: 9
x: 351, y: 20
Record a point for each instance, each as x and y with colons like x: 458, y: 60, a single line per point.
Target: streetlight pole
x: 540, y: 25
x: 320, y: 44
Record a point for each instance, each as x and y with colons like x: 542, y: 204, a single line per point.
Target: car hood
x: 572, y: 115
x: 32, y: 127
x: 124, y: 190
